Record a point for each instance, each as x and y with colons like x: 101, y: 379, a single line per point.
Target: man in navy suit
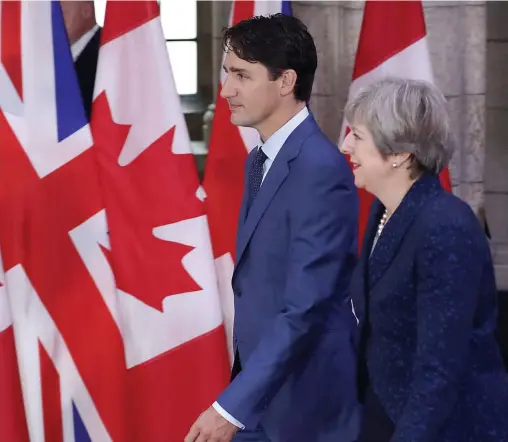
x: 84, y: 38
x: 294, y: 371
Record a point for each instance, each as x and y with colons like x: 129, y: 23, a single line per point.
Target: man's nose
x: 227, y: 90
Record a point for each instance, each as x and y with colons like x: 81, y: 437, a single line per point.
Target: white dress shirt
x: 271, y: 148
x: 274, y: 144
x: 80, y: 44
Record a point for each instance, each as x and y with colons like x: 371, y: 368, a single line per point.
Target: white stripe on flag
x: 33, y: 324
x: 5, y: 309
x: 412, y: 62
x: 267, y: 7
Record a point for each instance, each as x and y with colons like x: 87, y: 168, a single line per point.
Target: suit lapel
x: 273, y: 180
x: 393, y: 233
x: 275, y: 177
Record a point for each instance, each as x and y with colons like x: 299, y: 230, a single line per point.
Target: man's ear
x: 288, y: 82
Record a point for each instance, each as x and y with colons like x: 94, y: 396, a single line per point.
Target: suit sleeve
x: 449, y: 272
x: 323, y: 245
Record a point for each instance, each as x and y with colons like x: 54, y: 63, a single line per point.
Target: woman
x: 424, y: 291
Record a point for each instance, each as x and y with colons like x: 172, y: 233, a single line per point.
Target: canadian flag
x: 168, y: 307
x: 393, y: 42
x: 223, y: 179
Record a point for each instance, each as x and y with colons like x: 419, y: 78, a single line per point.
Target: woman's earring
x: 395, y: 165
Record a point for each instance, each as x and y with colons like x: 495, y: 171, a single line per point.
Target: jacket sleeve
x: 323, y: 249
x: 449, y: 271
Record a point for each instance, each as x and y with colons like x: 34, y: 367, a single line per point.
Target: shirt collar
x: 274, y: 144
x: 80, y: 44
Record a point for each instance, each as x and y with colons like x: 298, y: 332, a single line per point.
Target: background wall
x: 496, y: 159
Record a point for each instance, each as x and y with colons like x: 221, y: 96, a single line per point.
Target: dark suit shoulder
x: 447, y: 219
x: 317, y: 146
x: 446, y: 209
x: 318, y: 153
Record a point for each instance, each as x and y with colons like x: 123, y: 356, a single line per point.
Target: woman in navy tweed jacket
x: 424, y: 292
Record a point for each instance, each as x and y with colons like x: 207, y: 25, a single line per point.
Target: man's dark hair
x: 279, y: 42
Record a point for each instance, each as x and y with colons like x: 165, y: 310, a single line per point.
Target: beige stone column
x: 324, y: 19
x: 205, y: 49
x: 496, y: 166
x: 220, y: 18
x: 456, y: 33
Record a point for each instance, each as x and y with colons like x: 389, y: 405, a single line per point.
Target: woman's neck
x: 393, y: 193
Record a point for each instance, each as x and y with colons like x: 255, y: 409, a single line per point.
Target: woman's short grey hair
x: 405, y: 115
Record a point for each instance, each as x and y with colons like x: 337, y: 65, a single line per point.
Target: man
x: 294, y: 372
x: 84, y: 38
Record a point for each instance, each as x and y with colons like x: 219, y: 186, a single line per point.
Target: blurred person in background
x: 84, y: 38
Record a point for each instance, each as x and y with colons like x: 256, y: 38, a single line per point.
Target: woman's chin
x: 359, y: 183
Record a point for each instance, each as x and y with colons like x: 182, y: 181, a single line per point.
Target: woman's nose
x: 345, y: 148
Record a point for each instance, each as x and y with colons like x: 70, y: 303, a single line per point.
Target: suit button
x: 238, y: 292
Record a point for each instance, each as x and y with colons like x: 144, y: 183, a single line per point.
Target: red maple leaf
x: 157, y: 188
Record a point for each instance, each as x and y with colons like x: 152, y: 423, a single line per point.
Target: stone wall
x: 496, y: 164
x: 220, y: 18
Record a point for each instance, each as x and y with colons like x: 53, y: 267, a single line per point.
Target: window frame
x: 193, y: 96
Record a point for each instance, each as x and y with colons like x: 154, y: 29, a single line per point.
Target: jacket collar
x: 388, y: 244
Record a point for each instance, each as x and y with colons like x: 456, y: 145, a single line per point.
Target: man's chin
x: 238, y: 121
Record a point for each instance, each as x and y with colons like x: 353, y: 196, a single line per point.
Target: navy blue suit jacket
x: 294, y: 326
x: 86, y: 70
x: 432, y: 357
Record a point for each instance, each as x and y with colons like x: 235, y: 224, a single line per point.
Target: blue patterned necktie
x: 256, y: 174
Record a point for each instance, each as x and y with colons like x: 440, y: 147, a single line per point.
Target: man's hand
x: 211, y: 427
